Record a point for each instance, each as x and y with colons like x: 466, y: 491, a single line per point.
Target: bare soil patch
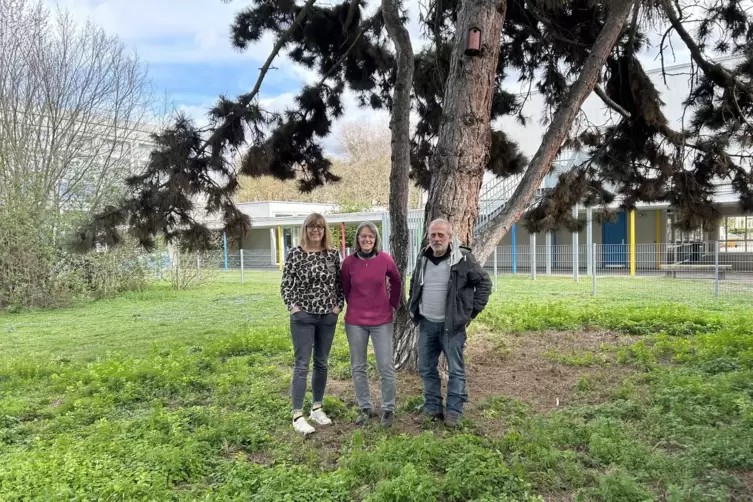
x: 747, y: 479
x: 517, y: 366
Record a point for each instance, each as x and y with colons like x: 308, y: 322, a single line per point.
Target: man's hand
x: 295, y: 309
x: 336, y: 310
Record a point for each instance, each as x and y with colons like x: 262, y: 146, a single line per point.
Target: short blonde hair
x: 316, y: 219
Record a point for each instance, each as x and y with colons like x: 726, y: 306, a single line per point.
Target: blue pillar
x: 224, y: 247
x: 514, y: 250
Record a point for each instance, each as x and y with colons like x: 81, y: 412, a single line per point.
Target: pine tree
x: 546, y: 42
x: 564, y: 49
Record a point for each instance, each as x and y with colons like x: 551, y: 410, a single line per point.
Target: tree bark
x: 464, y: 137
x: 404, y: 337
x: 556, y: 134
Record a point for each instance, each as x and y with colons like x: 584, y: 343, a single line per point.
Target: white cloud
x: 198, y: 113
x: 169, y: 30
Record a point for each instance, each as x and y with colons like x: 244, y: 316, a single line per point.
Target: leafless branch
x: 74, y: 107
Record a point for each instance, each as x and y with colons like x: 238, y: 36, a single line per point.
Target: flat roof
x: 291, y: 202
x: 296, y: 221
x: 725, y: 197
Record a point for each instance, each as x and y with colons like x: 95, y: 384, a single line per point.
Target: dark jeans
x: 432, y: 341
x: 310, y: 333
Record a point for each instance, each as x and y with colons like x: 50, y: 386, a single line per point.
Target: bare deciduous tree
x: 74, y: 109
x: 364, y: 141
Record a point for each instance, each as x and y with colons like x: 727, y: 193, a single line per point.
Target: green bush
x: 36, y: 270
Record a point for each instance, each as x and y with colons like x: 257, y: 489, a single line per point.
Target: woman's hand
x: 295, y: 309
x: 336, y: 310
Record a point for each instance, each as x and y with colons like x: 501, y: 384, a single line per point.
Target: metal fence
x: 700, y: 270
x: 682, y: 271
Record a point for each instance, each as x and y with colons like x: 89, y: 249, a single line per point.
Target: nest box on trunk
x: 473, y: 47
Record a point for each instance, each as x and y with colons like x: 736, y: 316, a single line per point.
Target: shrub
x: 36, y: 270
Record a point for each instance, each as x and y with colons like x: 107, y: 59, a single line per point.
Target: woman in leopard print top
x: 311, y: 281
x: 312, y: 290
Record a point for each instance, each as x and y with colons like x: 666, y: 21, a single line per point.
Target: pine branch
x: 633, y: 30
x: 714, y: 71
x: 366, y: 27
x: 610, y: 102
x: 351, y: 15
x: 553, y: 30
x: 557, y: 132
x: 276, y: 50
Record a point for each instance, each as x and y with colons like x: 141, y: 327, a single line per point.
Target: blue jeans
x: 432, y: 341
x: 358, y: 340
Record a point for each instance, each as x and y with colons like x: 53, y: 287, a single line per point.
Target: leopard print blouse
x: 312, y: 281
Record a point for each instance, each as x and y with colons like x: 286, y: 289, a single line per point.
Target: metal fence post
x: 533, y: 256
x: 589, y: 240
x: 514, y: 250
x: 495, y: 268
x: 576, y: 264
x: 593, y: 269
x: 716, y: 269
x: 241, y: 266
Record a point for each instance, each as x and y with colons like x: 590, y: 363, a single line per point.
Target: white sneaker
x: 320, y: 417
x: 302, y: 426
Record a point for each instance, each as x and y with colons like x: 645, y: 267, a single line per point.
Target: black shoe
x: 428, y: 418
x: 387, y: 418
x: 364, y: 416
x: 452, y: 420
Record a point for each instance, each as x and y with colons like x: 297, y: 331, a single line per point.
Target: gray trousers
x: 358, y: 340
x: 310, y: 333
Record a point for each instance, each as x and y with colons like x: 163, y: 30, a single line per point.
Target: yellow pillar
x: 632, y: 242
x: 658, y: 238
x: 280, y: 258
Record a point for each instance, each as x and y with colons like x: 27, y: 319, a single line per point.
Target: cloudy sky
x: 186, y: 45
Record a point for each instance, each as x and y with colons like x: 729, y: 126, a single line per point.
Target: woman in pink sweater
x: 371, y: 307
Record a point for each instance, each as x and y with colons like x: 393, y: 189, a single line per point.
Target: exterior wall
x: 562, y: 241
x: 257, y: 250
x: 257, y: 240
x: 529, y: 137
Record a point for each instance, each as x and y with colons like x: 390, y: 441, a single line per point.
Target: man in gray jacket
x: 448, y: 289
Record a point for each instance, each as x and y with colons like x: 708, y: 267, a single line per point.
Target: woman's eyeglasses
x: 315, y: 227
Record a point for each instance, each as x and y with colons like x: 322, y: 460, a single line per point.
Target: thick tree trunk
x: 406, y: 356
x: 464, y: 136
x: 556, y: 134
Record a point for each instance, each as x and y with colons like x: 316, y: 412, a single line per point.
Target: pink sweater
x: 365, y: 288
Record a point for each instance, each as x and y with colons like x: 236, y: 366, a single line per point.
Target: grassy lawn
x: 164, y: 395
